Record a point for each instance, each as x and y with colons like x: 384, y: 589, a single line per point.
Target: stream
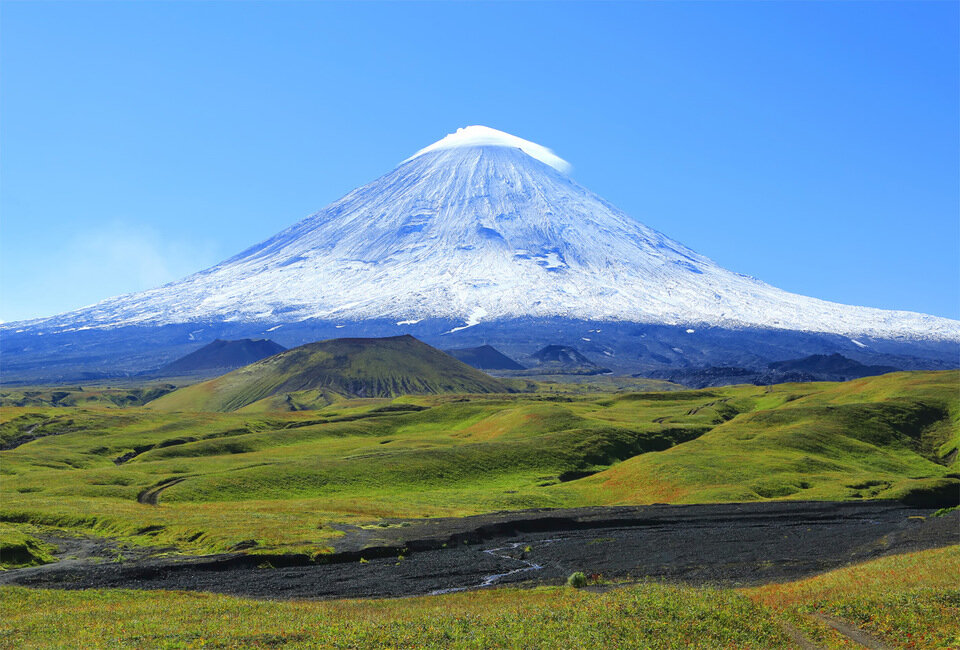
x: 492, y: 579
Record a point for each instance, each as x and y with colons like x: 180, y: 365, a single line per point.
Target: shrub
x: 577, y: 580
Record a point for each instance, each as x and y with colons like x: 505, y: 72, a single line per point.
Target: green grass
x: 283, y: 477
x: 18, y: 548
x: 97, y: 396
x: 879, y: 437
x: 653, y: 616
x: 907, y: 601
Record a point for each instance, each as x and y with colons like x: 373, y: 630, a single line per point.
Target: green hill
x: 317, y: 374
x: 891, y: 436
x: 286, y: 479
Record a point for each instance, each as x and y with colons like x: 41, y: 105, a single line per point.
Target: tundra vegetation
x: 205, y: 481
x: 278, y: 473
x: 905, y: 601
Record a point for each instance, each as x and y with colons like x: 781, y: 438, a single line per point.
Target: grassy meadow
x: 906, y: 601
x: 282, y: 477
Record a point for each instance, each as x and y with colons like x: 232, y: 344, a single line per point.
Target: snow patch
x: 409, y: 322
x: 550, y: 261
x: 472, y: 319
x: 481, y: 136
x: 689, y: 331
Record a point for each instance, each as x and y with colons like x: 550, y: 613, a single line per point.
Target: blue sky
x: 812, y: 145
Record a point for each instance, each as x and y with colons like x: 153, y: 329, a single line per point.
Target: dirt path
x: 852, y: 632
x: 151, y: 496
x: 799, y: 638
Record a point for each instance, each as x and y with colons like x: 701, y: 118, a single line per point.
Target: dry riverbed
x: 720, y: 544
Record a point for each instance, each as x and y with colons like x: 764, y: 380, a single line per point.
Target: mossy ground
x: 20, y: 548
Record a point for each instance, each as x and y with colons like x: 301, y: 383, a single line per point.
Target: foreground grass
x: 653, y: 616
x: 908, y: 601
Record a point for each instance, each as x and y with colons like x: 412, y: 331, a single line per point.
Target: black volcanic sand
x: 723, y: 544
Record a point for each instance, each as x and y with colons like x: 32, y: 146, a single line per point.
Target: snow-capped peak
x: 484, y: 136
x: 476, y: 227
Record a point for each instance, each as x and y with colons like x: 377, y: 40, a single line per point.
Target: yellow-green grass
x: 875, y: 437
x: 19, y: 548
x: 456, y: 457
x: 89, y: 395
x: 281, y: 478
x: 653, y: 616
x: 908, y: 601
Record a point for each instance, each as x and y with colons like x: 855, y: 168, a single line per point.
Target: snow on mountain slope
x: 483, y: 226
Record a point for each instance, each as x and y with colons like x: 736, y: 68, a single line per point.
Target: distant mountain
x: 483, y: 225
x: 316, y: 372
x: 817, y: 367
x: 481, y: 237
x: 725, y: 376
x: 485, y: 357
x: 562, y: 360
x: 836, y: 367
x: 562, y: 355
x: 221, y: 355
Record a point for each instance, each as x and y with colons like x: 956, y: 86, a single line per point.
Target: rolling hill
x: 890, y: 437
x: 318, y: 373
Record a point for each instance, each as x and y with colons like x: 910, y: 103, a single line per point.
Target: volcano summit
x: 482, y: 237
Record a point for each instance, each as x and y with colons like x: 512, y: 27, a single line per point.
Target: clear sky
x: 812, y: 145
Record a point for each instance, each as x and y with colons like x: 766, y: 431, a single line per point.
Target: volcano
x: 485, y: 228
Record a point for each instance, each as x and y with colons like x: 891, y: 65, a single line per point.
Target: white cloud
x: 134, y: 258
x: 116, y: 258
x: 478, y: 136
